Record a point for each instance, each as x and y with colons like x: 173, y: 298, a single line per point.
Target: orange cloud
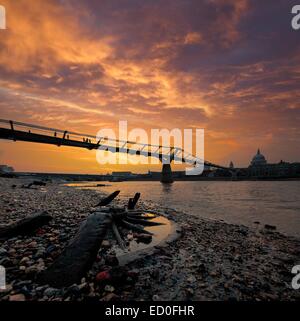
x: 42, y: 34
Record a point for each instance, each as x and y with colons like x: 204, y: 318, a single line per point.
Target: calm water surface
x: 276, y: 203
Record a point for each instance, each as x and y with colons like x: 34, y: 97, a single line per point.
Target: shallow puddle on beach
x: 160, y: 232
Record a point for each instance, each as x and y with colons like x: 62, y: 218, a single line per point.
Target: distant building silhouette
x: 260, y: 168
x: 258, y: 159
x: 4, y: 169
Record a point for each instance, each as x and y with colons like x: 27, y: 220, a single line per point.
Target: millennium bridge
x: 18, y: 131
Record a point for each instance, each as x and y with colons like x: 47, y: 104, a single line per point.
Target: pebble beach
x: 207, y: 260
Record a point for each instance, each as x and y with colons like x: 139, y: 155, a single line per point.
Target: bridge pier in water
x: 233, y: 175
x: 166, y: 174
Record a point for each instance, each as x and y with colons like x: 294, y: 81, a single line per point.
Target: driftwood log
x: 25, y: 226
x: 79, y: 255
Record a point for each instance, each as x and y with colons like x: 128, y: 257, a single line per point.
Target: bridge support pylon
x: 166, y: 174
x: 233, y: 175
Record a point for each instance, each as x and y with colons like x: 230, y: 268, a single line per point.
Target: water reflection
x: 167, y: 188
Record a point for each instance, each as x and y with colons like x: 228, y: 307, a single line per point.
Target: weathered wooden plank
x: 78, y: 257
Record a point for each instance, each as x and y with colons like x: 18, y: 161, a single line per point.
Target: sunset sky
x: 231, y: 67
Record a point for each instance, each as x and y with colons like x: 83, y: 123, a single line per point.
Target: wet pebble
x: 50, y: 292
x: 17, y: 297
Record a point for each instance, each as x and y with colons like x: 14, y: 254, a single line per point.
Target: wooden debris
x: 144, y: 217
x: 80, y: 254
x: 34, y: 183
x: 143, y: 222
x: 133, y: 201
x: 25, y: 226
x: 143, y: 238
x: 135, y: 227
x: 105, y: 201
x: 78, y: 257
x: 118, y: 236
